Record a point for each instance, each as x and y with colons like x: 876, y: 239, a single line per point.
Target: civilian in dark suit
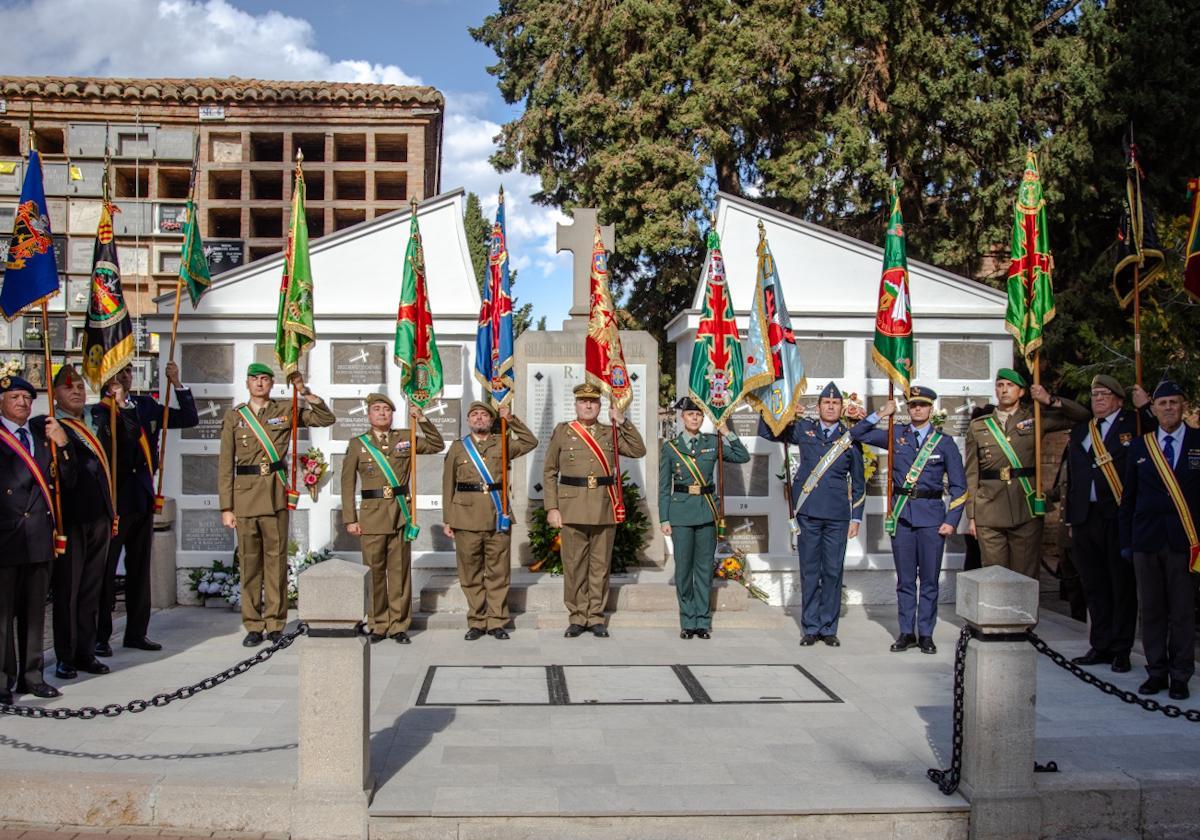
x: 26, y: 532
x: 1094, y: 492
x: 1160, y: 507
x: 137, y: 461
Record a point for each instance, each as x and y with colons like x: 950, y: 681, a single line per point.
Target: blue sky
x: 390, y: 41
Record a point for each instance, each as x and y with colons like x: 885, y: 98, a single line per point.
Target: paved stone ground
x: 866, y: 753
x: 35, y: 832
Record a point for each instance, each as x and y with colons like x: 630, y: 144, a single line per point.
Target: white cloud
x: 186, y: 38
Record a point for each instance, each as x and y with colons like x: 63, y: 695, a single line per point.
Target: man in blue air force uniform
x: 926, y: 464
x: 828, y: 493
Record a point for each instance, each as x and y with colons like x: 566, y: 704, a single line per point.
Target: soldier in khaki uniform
x: 252, y: 490
x: 577, y: 500
x: 382, y: 516
x: 481, y: 539
x: 998, y: 510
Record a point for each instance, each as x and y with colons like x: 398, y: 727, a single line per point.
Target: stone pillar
x: 334, y: 770
x: 999, y: 705
x: 162, y: 558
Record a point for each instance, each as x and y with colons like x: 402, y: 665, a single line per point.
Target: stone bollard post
x: 1000, y: 692
x: 334, y: 770
x: 162, y: 558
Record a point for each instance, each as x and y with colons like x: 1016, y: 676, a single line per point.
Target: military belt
x: 468, y: 487
x: 696, y: 489
x: 386, y: 492
x: 918, y: 494
x: 1007, y: 474
x: 588, y: 481
x: 264, y: 468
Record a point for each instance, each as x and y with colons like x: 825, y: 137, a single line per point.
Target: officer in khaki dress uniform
x: 481, y: 538
x: 687, y: 512
x: 998, y: 509
x: 576, y: 492
x: 379, y: 518
x: 252, y: 492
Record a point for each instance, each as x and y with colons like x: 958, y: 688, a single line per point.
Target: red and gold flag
x: 604, y: 359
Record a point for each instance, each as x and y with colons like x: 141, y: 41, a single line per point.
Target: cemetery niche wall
x: 831, y: 283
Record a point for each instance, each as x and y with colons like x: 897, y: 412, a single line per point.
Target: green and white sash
x: 814, y: 478
x: 264, y: 440
x: 1037, y: 507
x: 411, y: 529
x: 910, y: 480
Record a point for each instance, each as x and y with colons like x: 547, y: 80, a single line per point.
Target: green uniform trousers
x: 389, y: 557
x: 262, y: 556
x: 695, y: 546
x: 1018, y: 548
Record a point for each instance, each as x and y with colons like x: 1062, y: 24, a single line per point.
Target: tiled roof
x: 227, y: 90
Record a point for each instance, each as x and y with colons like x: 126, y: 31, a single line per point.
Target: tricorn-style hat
x: 687, y: 404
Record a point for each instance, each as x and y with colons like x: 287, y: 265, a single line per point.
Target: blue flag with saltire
x: 30, y: 272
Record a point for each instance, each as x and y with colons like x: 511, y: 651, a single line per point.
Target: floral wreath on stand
x: 313, y: 466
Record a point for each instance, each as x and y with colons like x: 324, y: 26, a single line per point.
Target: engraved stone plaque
x: 79, y: 254
x: 432, y: 537
x: 444, y: 414
x: 964, y: 360
x: 78, y: 289
x: 357, y: 364
x: 750, y: 479
x: 298, y: 530
x: 212, y: 414
x: 877, y: 483
x: 452, y: 363
x: 201, y: 530
x: 35, y: 370
x: 747, y: 533
x: 824, y: 359
x: 5, y: 333
x: 744, y: 422
x: 958, y: 412
x: 352, y: 419
x: 429, y: 474
x: 206, y: 363
x: 342, y: 541
x: 265, y: 354
x: 199, y: 474
x: 878, y: 542
x: 334, y: 486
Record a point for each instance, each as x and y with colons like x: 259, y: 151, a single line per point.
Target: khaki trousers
x: 390, y: 557
x: 483, y: 573
x: 587, y: 558
x: 1018, y: 548
x: 262, y: 555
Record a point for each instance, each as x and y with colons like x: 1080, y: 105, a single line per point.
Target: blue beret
x: 831, y: 392
x: 921, y: 395
x: 1167, y: 388
x: 16, y: 383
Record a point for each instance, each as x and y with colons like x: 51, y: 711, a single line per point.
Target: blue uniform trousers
x: 822, y: 549
x: 917, y: 553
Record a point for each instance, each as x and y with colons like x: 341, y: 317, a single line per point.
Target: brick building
x: 367, y: 149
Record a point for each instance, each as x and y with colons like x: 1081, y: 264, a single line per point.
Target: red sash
x: 614, y: 489
x: 92, y: 443
x: 15, y: 445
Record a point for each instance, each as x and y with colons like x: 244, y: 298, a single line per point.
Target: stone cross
x: 578, y: 238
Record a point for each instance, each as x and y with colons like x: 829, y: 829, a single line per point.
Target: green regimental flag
x: 416, y: 350
x: 193, y: 267
x: 892, y: 351
x: 1030, y: 290
x: 294, y: 330
x: 715, y: 381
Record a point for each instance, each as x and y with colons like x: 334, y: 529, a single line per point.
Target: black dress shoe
x: 103, y: 649
x: 65, y: 672
x: 94, y: 667
x: 574, y: 630
x: 1120, y: 663
x: 903, y: 642
x: 1179, y: 690
x: 141, y: 644
x: 253, y: 639
x: 1093, y: 657
x: 599, y: 631
x: 42, y: 689
x: 926, y: 644
x: 272, y: 637
x: 686, y: 634
x: 1153, y: 685
x: 473, y: 634
x: 376, y: 638
x: 498, y: 633
x: 703, y: 633
x: 808, y: 640
x: 401, y: 638
x: 831, y: 640
x: 6, y: 698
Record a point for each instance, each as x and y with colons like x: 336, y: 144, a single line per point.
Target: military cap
x: 380, y: 398
x: 1103, y: 380
x: 16, y: 383
x: 687, y: 404
x: 1167, y: 388
x: 486, y: 406
x: 259, y: 369
x: 920, y: 395
x: 586, y: 391
x: 1012, y: 376
x: 66, y: 375
x: 831, y: 392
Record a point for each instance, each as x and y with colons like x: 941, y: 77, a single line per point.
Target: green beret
x: 481, y: 404
x: 380, y: 398
x: 259, y: 369
x: 1103, y: 380
x: 1012, y: 376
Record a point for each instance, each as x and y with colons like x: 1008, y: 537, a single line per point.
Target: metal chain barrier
x: 159, y: 700
x: 947, y: 780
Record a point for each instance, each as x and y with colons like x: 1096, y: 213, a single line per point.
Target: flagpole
x: 1039, y: 496
x: 1137, y: 336
x: 504, y: 466
x: 412, y: 464
x: 720, y: 485
x: 891, y: 447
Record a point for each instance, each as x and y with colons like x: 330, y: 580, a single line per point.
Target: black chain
x: 113, y: 710
x: 1125, y: 695
x: 947, y: 780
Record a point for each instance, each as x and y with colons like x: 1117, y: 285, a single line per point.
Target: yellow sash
x: 1104, y: 460
x: 1171, y: 482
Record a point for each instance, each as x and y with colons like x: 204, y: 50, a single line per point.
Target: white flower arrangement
x: 12, y: 367
x: 225, y: 581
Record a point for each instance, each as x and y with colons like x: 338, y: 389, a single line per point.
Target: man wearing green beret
x: 252, y: 484
x: 474, y: 517
x: 1002, y: 509
x: 379, y: 462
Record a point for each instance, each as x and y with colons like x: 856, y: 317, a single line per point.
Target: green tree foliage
x: 479, y: 240
x: 646, y: 108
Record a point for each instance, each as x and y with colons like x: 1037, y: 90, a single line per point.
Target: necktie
x: 23, y: 436
x: 828, y: 432
x: 1169, y: 451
